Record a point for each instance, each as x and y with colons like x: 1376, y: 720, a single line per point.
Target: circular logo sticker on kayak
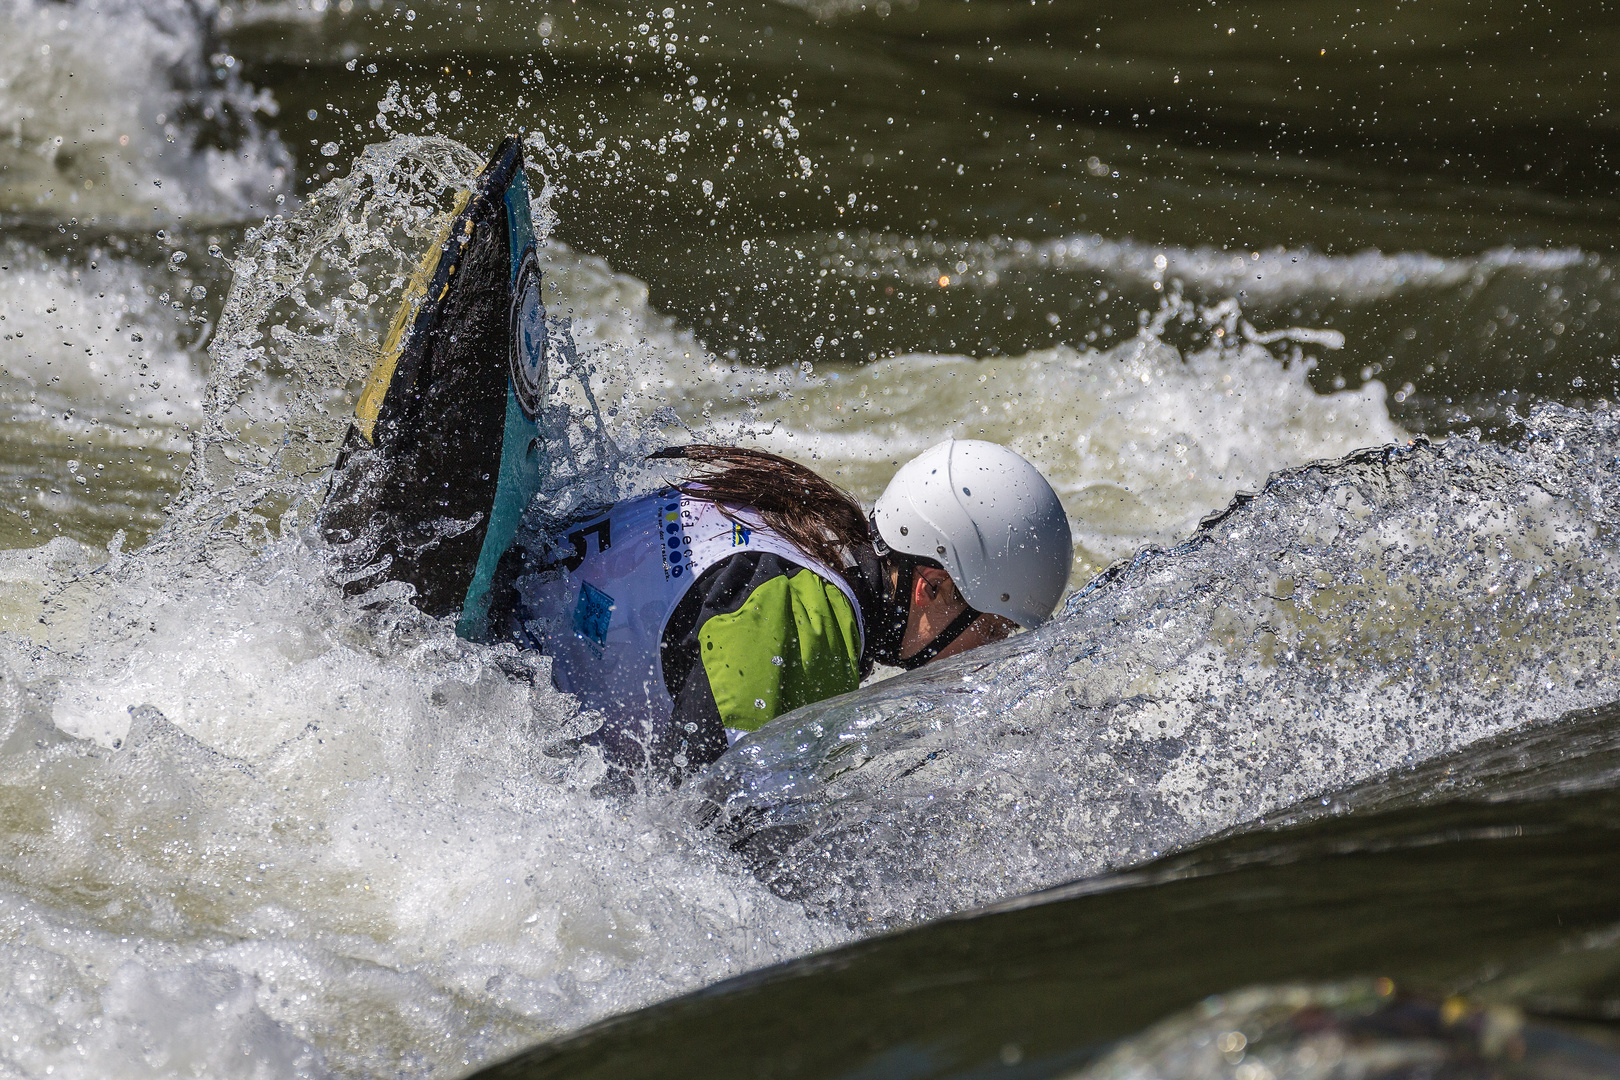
x: 528, y: 358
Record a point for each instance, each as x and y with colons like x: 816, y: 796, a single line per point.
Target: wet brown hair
x: 816, y: 516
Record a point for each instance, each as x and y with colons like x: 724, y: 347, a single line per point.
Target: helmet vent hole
x: 904, y: 531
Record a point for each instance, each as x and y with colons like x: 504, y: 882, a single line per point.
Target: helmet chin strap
x: 941, y: 640
x: 891, y: 610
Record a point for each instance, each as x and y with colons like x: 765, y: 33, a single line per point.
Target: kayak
x: 444, y: 452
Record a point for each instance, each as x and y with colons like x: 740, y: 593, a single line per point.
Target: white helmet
x: 989, y: 518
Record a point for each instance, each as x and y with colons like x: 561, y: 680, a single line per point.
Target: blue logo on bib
x: 593, y: 613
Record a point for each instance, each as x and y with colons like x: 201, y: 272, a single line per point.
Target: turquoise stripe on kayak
x: 522, y: 456
x: 522, y: 460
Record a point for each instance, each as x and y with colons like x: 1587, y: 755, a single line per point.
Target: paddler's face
x: 935, y: 604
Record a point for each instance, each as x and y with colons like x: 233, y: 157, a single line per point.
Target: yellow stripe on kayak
x: 376, y: 388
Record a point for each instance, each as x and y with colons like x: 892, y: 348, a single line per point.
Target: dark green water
x: 1488, y: 873
x: 975, y: 132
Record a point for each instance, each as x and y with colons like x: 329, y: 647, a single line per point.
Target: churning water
x: 253, y: 827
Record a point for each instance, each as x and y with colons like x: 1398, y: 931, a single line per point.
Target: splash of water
x: 1353, y: 616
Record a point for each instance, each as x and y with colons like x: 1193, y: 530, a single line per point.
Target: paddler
x: 690, y: 616
x: 694, y: 615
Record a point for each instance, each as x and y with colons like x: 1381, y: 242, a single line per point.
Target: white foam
x: 91, y: 101
x: 1139, y: 441
x: 97, y: 388
x: 96, y: 341
x: 332, y: 845
x: 1260, y: 275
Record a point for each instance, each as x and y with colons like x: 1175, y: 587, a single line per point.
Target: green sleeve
x: 793, y: 641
